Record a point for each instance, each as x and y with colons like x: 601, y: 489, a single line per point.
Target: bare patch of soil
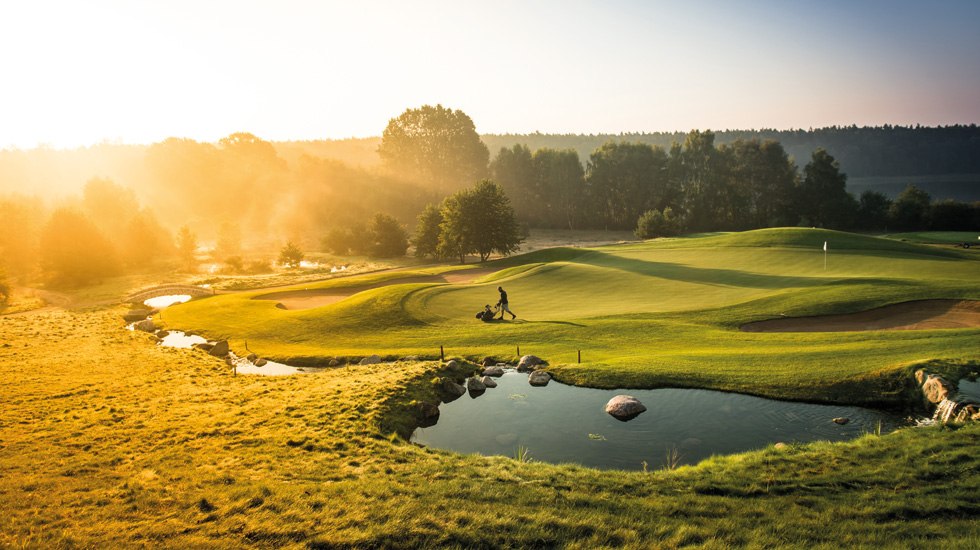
x: 916, y: 315
x: 306, y: 299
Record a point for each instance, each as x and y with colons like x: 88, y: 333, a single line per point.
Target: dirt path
x: 917, y: 315
x: 306, y: 299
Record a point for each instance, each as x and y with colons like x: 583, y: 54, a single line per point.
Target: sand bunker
x: 306, y: 299
x: 917, y: 315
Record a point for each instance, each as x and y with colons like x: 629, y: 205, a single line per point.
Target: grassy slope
x: 108, y: 441
x: 657, y: 313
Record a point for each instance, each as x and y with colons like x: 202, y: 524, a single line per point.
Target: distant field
x: 960, y: 187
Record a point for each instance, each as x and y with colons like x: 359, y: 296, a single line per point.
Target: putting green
x: 655, y: 313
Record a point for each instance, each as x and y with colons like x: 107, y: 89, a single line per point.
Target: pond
x: 559, y: 423
x: 163, y: 301
x: 178, y: 339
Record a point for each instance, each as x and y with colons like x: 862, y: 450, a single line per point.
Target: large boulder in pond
x: 146, y: 325
x: 489, y: 382
x: 220, y: 349
x: 493, y: 371
x: 625, y: 407
x: 475, y: 384
x: 529, y: 363
x: 206, y: 346
x: 539, y: 378
x: 487, y: 361
x: 260, y: 362
x: 370, y: 360
x: 936, y: 389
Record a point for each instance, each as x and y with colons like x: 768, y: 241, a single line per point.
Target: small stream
x: 560, y: 423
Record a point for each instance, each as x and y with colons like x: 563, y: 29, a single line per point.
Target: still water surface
x: 559, y: 423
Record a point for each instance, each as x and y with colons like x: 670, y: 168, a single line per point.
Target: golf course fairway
x: 658, y: 313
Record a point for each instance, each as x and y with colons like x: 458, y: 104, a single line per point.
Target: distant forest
x: 243, y: 191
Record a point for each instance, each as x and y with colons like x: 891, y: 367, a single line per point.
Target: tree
x: 186, y: 248
x: 478, y: 220
x: 702, y: 174
x: 910, y: 210
x: 559, y: 185
x: 426, y: 238
x: 229, y: 240
x: 822, y: 197
x: 434, y: 144
x: 656, y: 223
x: 762, y: 181
x: 110, y: 206
x: 626, y: 179
x: 22, y: 221
x: 4, y: 288
x: 144, y: 240
x: 950, y: 215
x: 73, y: 251
x: 290, y: 255
x: 388, y: 238
x: 514, y: 170
x: 872, y: 211
x: 343, y: 241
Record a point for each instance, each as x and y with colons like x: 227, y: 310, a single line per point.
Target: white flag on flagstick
x: 825, y: 246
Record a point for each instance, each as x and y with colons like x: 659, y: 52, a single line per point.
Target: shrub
x: 654, y: 223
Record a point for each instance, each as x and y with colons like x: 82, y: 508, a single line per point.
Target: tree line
x: 862, y: 151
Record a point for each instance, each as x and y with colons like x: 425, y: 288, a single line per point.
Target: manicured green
x: 663, y: 312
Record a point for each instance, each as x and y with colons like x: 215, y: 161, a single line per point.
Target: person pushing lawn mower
x: 502, y: 304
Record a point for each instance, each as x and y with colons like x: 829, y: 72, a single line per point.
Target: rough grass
x: 109, y: 441
x: 658, y: 313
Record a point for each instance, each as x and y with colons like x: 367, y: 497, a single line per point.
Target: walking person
x: 503, y: 304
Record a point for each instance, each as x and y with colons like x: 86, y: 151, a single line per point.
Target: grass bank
x: 109, y: 441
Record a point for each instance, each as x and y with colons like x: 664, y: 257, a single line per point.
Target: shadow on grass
x: 701, y: 275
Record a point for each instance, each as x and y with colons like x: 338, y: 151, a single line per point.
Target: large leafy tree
x: 426, y: 238
x: 186, y: 248
x: 434, y: 144
x: 625, y: 180
x: 873, y: 210
x: 822, y: 197
x: 74, y: 251
x: 478, y: 220
x: 910, y: 209
x: 514, y: 170
x: 761, y: 186
x: 703, y: 180
x: 559, y: 185
x: 388, y: 238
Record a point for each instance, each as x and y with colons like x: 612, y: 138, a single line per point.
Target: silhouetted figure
x: 503, y: 304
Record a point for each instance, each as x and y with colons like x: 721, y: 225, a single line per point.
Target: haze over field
x: 79, y: 73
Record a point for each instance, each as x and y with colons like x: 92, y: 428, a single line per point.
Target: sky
x: 135, y: 71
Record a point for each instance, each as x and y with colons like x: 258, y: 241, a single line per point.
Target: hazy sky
x: 79, y: 72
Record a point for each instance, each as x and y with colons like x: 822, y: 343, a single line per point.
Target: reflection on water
x: 164, y: 301
x: 560, y: 423
x: 969, y: 388
x: 178, y: 339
